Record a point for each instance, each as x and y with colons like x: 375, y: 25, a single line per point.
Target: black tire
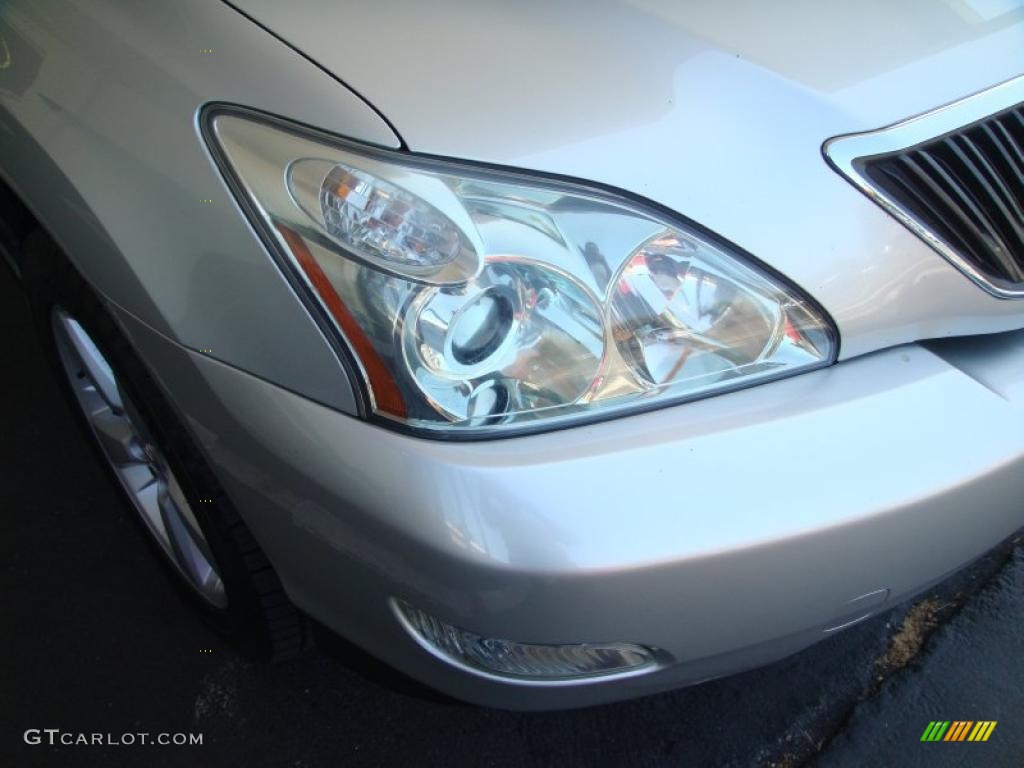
x: 259, y: 618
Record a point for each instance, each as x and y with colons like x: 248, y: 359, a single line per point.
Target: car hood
x: 715, y: 109
x: 500, y: 81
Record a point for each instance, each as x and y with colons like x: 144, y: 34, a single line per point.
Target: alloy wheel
x: 137, y: 460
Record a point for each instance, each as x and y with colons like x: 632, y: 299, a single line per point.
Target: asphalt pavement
x: 95, y: 639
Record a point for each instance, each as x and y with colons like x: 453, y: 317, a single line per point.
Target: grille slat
x: 1008, y: 204
x: 1011, y: 174
x: 956, y: 181
x: 936, y: 182
x: 966, y: 190
x: 1001, y: 240
x: 1011, y: 150
x: 1018, y: 116
x: 913, y: 189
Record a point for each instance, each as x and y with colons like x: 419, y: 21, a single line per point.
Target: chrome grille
x: 968, y: 188
x: 960, y: 185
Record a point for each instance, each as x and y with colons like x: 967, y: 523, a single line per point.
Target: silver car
x: 553, y: 353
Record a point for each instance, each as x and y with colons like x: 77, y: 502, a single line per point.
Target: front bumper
x: 727, y: 532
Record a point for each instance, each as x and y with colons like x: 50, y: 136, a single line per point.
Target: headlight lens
x: 479, y: 300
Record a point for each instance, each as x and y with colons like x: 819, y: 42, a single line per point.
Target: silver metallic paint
x: 727, y: 532
x: 102, y: 144
x: 716, y: 110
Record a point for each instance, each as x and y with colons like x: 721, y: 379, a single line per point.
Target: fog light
x: 525, y: 661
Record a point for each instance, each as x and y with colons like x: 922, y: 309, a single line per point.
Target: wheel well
x: 16, y: 222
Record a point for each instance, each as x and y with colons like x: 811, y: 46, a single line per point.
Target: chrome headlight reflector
x: 479, y: 301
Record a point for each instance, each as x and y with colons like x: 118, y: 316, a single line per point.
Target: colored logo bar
x: 958, y: 730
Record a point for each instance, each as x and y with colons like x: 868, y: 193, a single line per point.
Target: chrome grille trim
x: 931, y: 167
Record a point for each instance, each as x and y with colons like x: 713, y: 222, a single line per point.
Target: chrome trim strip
x: 842, y: 152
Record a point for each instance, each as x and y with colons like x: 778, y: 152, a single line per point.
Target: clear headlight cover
x: 479, y: 301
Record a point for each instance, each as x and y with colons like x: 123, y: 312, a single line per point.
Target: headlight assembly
x: 480, y: 301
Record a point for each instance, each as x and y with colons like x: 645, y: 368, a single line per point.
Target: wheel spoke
x: 133, y: 452
x: 185, y: 509
x: 117, y: 437
x: 148, y: 502
x: 188, y: 549
x: 95, y: 365
x: 137, y: 477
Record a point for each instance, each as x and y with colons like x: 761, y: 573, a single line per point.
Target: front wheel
x: 160, y: 471
x: 133, y: 455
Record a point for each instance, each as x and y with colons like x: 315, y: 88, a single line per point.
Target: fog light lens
x: 527, y: 661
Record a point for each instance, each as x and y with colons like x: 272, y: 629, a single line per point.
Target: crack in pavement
x: 908, y: 643
x: 971, y: 671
